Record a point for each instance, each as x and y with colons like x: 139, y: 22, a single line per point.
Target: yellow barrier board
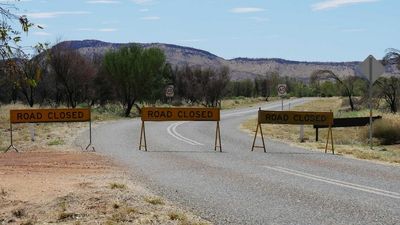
x: 293, y: 117
x: 49, y: 115
x: 180, y: 114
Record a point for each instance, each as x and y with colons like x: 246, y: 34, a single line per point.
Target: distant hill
x: 241, y: 68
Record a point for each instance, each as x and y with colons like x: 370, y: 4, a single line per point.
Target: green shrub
x: 387, y: 131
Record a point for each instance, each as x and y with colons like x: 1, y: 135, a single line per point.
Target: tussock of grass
x: 19, y: 213
x: 118, y: 186
x: 57, y: 141
x: 177, y: 216
x: 3, y: 192
x: 387, y: 130
x: 155, y: 200
x: 63, y: 216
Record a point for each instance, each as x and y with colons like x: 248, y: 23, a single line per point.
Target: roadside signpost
x: 282, y: 91
x: 294, y: 117
x: 169, y: 91
x: 372, y: 69
x: 180, y: 114
x: 49, y: 116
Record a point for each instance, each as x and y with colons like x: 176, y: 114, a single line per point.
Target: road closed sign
x: 293, y: 117
x: 49, y: 115
x: 180, y: 114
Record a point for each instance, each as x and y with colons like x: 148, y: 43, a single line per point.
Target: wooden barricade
x: 49, y: 116
x: 294, y: 117
x: 179, y: 114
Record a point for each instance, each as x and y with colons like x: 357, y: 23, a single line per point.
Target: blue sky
x: 306, y: 30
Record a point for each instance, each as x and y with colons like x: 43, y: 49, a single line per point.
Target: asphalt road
x: 286, y: 185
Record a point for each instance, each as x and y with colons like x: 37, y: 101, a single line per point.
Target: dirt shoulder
x: 40, y: 187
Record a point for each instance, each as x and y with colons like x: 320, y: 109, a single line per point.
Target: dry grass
x: 240, y: 102
x: 348, y: 141
x: 154, y: 200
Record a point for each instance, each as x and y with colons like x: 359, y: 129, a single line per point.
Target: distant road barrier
x: 180, y: 114
x: 49, y: 116
x: 347, y: 122
x: 294, y: 117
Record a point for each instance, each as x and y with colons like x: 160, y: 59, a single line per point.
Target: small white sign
x: 169, y: 91
x: 282, y: 89
x: 372, y: 68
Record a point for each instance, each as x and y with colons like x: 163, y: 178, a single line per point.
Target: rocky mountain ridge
x: 241, y: 68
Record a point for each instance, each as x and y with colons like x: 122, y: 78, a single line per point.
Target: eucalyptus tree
x: 348, y: 84
x: 137, y: 73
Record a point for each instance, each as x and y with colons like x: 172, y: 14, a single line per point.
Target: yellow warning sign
x: 180, y: 114
x: 49, y: 115
x: 293, y: 117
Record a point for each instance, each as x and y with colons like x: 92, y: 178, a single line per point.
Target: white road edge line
x: 336, y: 182
x: 343, y: 182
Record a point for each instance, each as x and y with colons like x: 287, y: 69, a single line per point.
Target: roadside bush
x: 387, y: 130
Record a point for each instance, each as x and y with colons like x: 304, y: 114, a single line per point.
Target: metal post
x: 90, y: 135
x: 301, y: 133
x: 370, y: 102
x: 316, y: 134
x: 11, y: 140
x: 282, y: 103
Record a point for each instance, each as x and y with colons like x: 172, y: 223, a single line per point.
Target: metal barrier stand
x: 11, y: 138
x: 90, y: 136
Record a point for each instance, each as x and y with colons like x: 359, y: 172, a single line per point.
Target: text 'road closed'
x: 180, y: 114
x: 293, y: 117
x: 49, y: 115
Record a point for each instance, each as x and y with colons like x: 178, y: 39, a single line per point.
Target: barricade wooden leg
x: 143, y: 138
x: 333, y: 148
x: 262, y: 138
x: 255, y: 137
x: 330, y: 136
x: 218, y: 138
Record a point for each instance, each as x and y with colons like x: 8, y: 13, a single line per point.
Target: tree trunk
x: 128, y: 109
x: 351, y: 103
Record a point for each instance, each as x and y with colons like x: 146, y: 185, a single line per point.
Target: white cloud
x: 47, y: 15
x: 40, y: 33
x: 329, y: 4
x: 103, y: 2
x: 143, y: 2
x: 150, y: 18
x: 246, y: 10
